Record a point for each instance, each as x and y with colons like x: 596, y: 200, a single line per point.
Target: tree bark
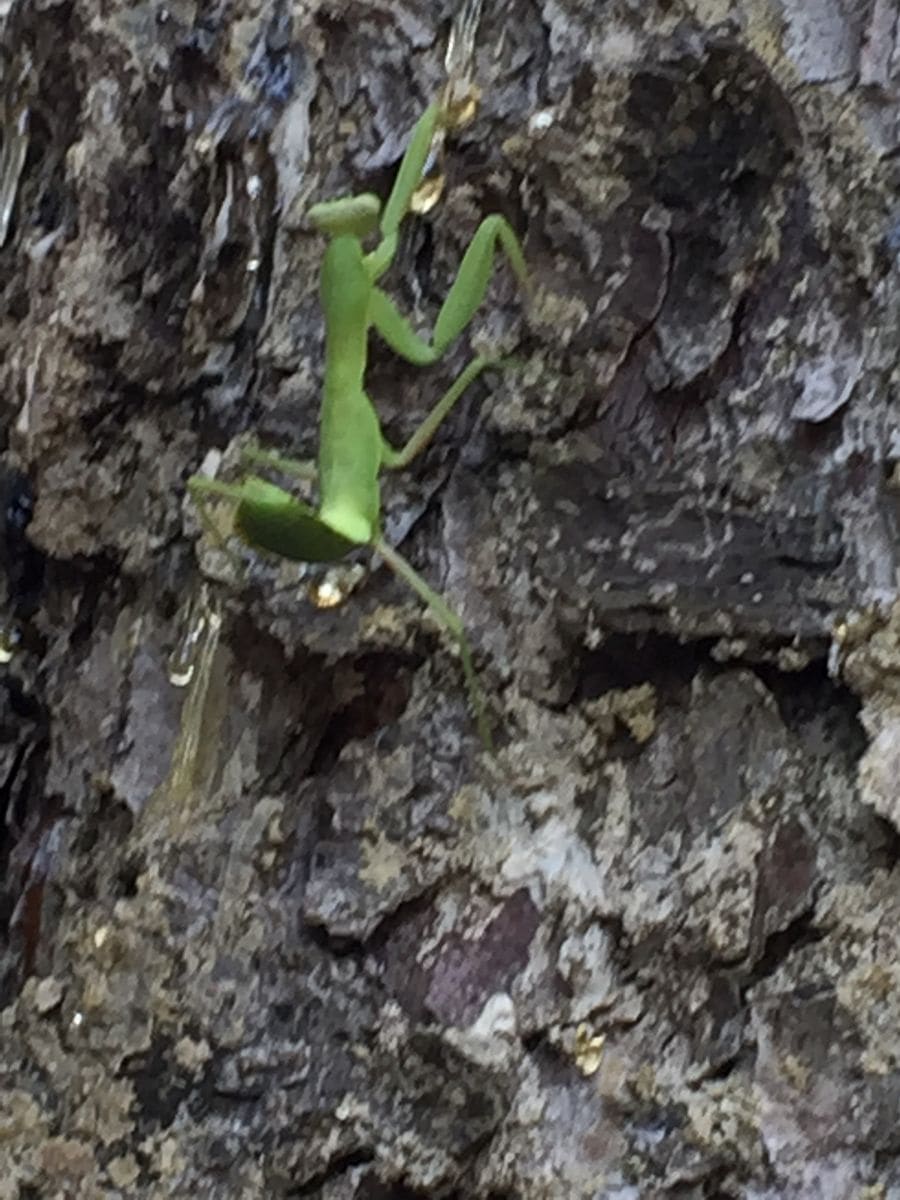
x: 287, y: 930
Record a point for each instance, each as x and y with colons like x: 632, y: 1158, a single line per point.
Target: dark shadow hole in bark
x: 45, y: 199
x: 192, y: 65
x: 127, y: 879
x: 712, y: 1189
x: 27, y: 818
x: 90, y: 583
x: 340, y: 1166
x: 727, y: 1067
x: 625, y: 660
x: 23, y: 564
x: 158, y: 1090
x: 887, y: 853
x: 536, y: 1041
x: 803, y: 696
x: 53, y: 206
x: 818, y: 437
x: 779, y: 946
x: 335, y: 945
x: 386, y: 683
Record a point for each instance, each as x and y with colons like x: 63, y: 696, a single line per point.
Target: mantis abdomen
x: 350, y: 436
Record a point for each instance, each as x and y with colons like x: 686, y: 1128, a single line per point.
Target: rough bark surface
x: 289, y: 931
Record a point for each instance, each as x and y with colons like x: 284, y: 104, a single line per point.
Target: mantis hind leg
x: 452, y: 624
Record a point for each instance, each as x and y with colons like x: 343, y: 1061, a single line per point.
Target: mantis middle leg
x: 397, y: 459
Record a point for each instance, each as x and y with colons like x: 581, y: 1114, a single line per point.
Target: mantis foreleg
x: 409, y: 173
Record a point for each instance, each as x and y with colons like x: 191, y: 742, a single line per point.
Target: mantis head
x: 356, y: 215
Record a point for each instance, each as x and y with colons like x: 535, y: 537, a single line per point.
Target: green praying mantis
x: 352, y: 449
